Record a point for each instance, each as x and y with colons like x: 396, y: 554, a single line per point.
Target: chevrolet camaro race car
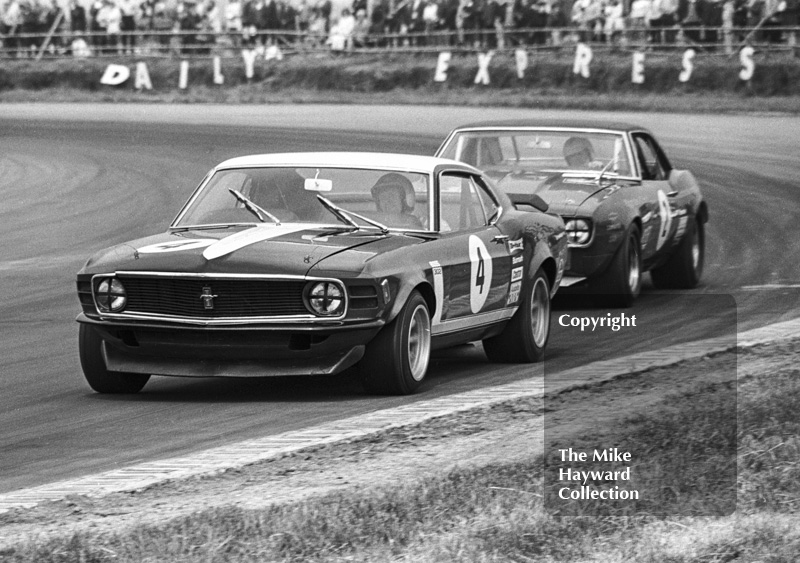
x: 310, y: 263
x: 626, y: 209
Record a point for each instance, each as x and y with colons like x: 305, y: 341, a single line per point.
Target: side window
x: 649, y: 158
x: 490, y: 207
x: 462, y: 207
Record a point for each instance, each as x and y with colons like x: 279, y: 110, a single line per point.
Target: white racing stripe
x: 254, y: 235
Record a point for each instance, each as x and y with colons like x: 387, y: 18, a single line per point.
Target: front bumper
x: 587, y: 262
x: 191, y: 351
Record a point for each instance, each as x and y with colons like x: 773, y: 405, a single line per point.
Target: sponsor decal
x: 438, y: 291
x: 513, y: 292
x: 175, y: 246
x: 517, y: 259
x: 516, y: 274
x: 515, y: 246
x: 666, y: 219
x: 480, y: 280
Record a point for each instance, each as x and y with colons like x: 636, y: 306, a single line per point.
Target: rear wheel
x: 684, y: 268
x: 525, y: 337
x: 622, y: 282
x: 90, y: 347
x: 397, y: 359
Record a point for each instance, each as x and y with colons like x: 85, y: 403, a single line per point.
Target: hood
x: 563, y: 195
x: 289, y: 249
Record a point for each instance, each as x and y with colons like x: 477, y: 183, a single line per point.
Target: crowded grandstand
x: 33, y: 28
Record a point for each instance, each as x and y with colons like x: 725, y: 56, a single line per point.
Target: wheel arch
x: 407, y: 287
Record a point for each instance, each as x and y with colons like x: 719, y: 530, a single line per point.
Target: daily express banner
x: 118, y: 75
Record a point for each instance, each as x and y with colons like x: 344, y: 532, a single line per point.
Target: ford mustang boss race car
x: 626, y: 209
x: 310, y: 263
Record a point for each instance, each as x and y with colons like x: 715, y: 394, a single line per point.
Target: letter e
x: 637, y: 70
x: 441, y: 67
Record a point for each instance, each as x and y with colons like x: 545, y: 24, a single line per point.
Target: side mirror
x: 531, y: 200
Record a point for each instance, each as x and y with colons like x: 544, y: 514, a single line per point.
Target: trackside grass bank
x: 495, y: 512
x: 548, y: 81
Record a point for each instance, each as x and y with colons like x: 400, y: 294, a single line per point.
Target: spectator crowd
x: 196, y: 26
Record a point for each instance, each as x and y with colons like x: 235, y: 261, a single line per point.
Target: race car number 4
x: 480, y: 273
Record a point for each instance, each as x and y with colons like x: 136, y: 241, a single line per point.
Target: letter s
x: 746, y: 58
x: 688, y: 65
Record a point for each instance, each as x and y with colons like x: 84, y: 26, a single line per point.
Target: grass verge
x: 496, y: 512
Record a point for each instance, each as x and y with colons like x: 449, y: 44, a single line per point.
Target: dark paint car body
x: 651, y: 211
x: 234, y: 299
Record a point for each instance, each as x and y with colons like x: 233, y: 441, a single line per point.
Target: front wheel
x: 622, y: 282
x: 396, y: 361
x: 90, y: 347
x: 525, y: 336
x: 684, y: 268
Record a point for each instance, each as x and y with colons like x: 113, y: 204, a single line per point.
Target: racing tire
x: 684, y: 268
x: 524, y: 338
x: 90, y: 347
x: 622, y: 282
x: 396, y: 361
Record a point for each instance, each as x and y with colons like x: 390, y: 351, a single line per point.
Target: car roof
x: 576, y: 124
x: 389, y: 161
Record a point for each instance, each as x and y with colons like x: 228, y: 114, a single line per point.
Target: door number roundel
x: 480, y: 273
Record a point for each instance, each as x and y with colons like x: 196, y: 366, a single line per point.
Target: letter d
x: 115, y: 75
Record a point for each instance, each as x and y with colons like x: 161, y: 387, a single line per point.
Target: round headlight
x: 110, y: 295
x: 579, y: 231
x: 326, y: 298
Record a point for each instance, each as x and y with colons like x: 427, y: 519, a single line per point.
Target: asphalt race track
x: 74, y: 179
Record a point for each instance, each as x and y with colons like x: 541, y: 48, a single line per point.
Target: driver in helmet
x: 578, y: 153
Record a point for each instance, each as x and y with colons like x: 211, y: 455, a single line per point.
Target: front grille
x: 183, y: 297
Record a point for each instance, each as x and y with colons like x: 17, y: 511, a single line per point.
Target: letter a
x: 249, y: 57
x: 142, y: 77
x: 637, y: 71
x: 482, y: 77
x: 441, y: 67
x: 115, y: 75
x: 521, y: 57
x: 746, y: 58
x: 688, y: 65
x: 583, y: 56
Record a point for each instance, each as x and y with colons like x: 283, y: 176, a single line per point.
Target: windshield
x: 540, y: 151
x: 398, y: 200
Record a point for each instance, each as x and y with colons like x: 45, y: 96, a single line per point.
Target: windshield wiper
x: 253, y: 208
x: 344, y: 215
x: 604, y: 170
x: 208, y: 227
